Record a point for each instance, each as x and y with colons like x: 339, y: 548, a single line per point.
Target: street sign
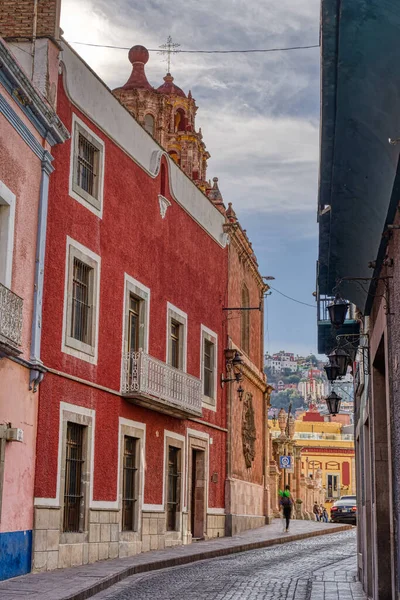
x: 285, y: 462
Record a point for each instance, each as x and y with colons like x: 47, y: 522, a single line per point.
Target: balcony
x: 10, y: 322
x: 326, y: 332
x: 153, y: 384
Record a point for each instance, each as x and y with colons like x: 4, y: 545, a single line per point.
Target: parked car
x: 344, y: 510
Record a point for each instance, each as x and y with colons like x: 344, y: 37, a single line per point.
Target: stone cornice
x: 242, y: 245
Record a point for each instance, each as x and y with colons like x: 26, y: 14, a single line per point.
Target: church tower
x: 168, y: 114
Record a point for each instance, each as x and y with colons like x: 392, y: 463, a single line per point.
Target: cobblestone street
x: 322, y: 568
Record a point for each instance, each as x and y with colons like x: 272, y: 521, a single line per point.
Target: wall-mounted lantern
x: 337, y: 311
x: 333, y: 402
x: 341, y: 359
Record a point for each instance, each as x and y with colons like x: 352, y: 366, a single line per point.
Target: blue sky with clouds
x: 259, y: 114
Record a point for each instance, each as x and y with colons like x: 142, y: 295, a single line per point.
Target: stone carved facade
x: 168, y: 115
x: 249, y: 434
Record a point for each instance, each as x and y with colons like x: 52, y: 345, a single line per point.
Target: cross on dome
x: 169, y: 48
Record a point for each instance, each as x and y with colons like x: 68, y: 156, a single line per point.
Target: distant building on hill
x: 280, y: 361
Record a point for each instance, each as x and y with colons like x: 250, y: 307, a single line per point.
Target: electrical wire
x: 293, y: 299
x: 203, y: 51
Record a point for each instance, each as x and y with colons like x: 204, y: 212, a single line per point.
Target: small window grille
x: 173, y: 493
x: 208, y: 378
x: 87, y: 166
x: 73, y: 496
x: 130, y: 485
x: 81, y: 316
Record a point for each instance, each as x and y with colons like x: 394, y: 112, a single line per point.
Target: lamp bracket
x: 350, y: 340
x: 360, y: 280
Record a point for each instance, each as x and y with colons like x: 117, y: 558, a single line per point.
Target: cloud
x: 259, y: 114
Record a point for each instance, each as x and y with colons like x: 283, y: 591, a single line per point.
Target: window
x: 208, y: 367
x: 245, y: 321
x: 175, y: 345
x: 176, y: 337
x: 73, y: 493
x: 134, y: 323
x: 7, y: 218
x: 173, y: 488
x: 163, y: 180
x: 81, y: 317
x: 332, y: 487
x: 130, y: 485
x: 149, y: 124
x: 81, y: 302
x: 87, y: 166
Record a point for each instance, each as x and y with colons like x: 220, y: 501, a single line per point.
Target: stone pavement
x: 79, y: 583
x: 322, y: 568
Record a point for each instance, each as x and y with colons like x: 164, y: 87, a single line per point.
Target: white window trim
x: 181, y: 438
x: 181, y: 317
x: 70, y: 345
x: 79, y: 410
x: 206, y: 333
x: 7, y: 198
x: 76, y: 124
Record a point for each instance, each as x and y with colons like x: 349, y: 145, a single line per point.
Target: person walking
x: 286, y: 503
x: 316, y: 512
x: 324, y: 515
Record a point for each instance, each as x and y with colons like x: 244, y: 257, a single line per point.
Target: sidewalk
x: 79, y: 583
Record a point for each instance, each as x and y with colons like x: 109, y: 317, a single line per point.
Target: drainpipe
x: 37, y: 370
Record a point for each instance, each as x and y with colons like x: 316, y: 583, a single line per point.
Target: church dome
x: 138, y: 56
x: 169, y: 88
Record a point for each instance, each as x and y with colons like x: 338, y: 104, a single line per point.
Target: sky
x: 259, y: 115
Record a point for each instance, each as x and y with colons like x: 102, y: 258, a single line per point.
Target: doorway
x: 198, y: 496
x: 381, y: 477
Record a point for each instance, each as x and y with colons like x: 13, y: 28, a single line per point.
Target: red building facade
x: 131, y: 454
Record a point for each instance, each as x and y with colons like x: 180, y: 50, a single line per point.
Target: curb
x: 191, y: 558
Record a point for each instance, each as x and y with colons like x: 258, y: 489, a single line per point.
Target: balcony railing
x: 154, y: 384
x: 10, y: 321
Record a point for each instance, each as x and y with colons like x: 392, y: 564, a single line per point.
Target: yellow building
x: 323, y: 453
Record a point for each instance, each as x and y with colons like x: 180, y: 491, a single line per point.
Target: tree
x: 312, y: 359
x: 286, y: 372
x: 283, y: 398
x: 294, y: 379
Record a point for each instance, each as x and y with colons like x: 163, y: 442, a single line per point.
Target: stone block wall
x: 103, y: 538
x: 215, y: 526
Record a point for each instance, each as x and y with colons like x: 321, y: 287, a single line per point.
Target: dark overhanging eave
x: 359, y: 110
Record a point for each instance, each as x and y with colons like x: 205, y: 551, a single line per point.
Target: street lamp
x: 337, y: 311
x: 234, y: 366
x: 333, y: 403
x: 332, y: 371
x: 341, y: 359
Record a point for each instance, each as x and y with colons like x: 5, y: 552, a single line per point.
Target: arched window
x: 180, y: 120
x: 149, y: 124
x: 245, y: 320
x: 163, y: 180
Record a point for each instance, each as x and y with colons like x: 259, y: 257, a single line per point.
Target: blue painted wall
x: 15, y: 553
